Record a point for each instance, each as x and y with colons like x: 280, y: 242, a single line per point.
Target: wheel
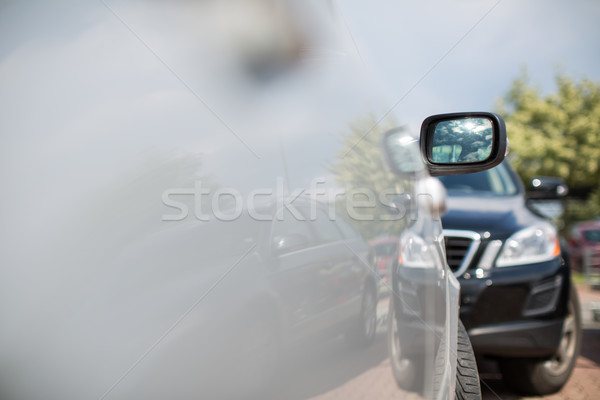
x: 407, y: 372
x: 467, y: 376
x: 363, y: 331
x: 546, y: 376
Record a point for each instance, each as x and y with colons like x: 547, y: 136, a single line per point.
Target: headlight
x: 414, y: 252
x: 530, y: 245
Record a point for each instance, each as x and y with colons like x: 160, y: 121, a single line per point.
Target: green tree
x: 359, y: 165
x: 556, y: 134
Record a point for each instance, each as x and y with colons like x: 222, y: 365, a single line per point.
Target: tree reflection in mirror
x: 466, y: 140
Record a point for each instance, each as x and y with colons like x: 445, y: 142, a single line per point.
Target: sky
x: 445, y: 56
x: 414, y: 59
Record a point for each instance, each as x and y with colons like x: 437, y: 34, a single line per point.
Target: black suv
x: 517, y: 301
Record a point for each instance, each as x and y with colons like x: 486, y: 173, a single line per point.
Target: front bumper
x: 517, y: 339
x: 516, y: 311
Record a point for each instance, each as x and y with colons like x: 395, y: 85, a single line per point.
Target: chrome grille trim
x: 473, y: 246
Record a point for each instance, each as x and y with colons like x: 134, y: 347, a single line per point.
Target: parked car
x: 584, y: 248
x: 518, y: 303
x: 290, y: 279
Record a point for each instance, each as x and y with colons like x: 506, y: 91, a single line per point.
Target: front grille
x: 456, y: 249
x: 461, y: 247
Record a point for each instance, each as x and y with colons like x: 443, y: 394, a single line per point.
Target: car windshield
x: 592, y: 235
x: 497, y: 181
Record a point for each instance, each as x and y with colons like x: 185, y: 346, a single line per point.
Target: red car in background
x: 584, y: 246
x: 385, y: 251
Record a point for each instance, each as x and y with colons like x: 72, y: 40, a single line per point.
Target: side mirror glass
x: 463, y: 143
x: 467, y: 140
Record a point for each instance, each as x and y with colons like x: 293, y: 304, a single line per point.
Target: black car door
x: 340, y: 274
x: 294, y: 271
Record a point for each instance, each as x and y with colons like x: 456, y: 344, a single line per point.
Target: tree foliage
x: 359, y: 165
x: 556, y: 134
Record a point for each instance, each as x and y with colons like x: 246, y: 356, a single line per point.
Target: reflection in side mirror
x: 467, y: 140
x: 463, y: 143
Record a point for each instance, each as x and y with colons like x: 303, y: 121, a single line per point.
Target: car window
x: 325, y: 229
x: 348, y: 231
x: 496, y: 181
x: 224, y: 239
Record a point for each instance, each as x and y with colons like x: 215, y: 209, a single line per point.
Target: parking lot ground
x: 336, y: 371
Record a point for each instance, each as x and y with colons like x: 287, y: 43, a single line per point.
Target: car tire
x: 467, y: 376
x: 407, y: 371
x: 363, y: 331
x: 546, y: 376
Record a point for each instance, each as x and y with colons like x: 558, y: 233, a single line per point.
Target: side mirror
x: 461, y: 143
x: 547, y: 188
x: 288, y: 243
x: 544, y: 195
x: 451, y: 144
x: 401, y: 152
